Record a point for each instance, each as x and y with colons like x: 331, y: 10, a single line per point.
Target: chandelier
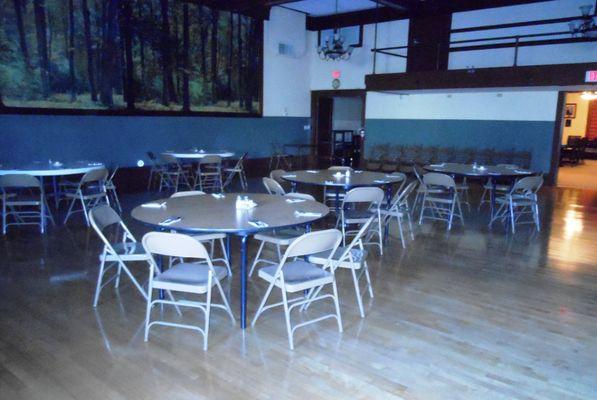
x: 335, y: 48
x: 584, y: 26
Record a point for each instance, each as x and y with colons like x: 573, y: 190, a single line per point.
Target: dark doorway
x: 337, y: 118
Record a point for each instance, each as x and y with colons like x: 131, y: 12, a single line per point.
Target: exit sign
x: 591, y: 76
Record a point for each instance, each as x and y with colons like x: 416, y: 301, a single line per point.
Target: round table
x: 331, y: 179
x: 193, y: 154
x: 43, y: 169
x: 208, y: 213
x: 491, y: 172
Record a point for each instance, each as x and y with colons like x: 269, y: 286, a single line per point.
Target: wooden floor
x: 471, y: 314
x: 581, y: 176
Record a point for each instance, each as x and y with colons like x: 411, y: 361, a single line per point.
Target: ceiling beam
x: 411, y: 8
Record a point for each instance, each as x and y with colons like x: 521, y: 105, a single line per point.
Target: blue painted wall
x: 533, y: 136
x: 123, y: 140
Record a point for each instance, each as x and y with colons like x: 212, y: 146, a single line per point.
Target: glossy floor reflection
x: 471, y: 314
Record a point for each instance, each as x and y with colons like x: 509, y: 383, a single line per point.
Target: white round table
x: 207, y: 213
x: 193, y: 154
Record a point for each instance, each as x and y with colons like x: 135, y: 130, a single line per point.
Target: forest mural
x: 128, y: 55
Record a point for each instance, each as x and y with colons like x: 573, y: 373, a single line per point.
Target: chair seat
x: 187, y: 277
x: 439, y: 199
x: 357, y: 216
x: 282, y: 237
x: 358, y: 257
x: 87, y: 194
x: 298, y: 275
x: 392, y: 212
x: 517, y: 201
x: 129, y: 251
x: 499, y: 188
x: 422, y: 189
x: 14, y: 199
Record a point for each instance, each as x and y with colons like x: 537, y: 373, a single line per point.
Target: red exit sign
x: 591, y: 76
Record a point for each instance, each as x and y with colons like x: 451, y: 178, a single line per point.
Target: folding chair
x: 358, y: 205
x: 239, y: 170
x: 399, y: 208
x: 90, y: 191
x: 440, y: 198
x: 209, y: 174
x: 520, y: 201
x: 294, y: 275
x: 273, y: 187
x: 194, y: 278
x: 20, y: 202
x: 115, y: 254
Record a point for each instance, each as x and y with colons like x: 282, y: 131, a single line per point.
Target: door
x: 323, y: 131
x: 591, y: 132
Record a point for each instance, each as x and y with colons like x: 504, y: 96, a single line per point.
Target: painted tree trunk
x: 71, y: 50
x: 186, y: 68
x: 39, y: 8
x: 19, y: 9
x: 89, y: 49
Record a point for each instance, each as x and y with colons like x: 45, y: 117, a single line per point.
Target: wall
x: 507, y: 120
x: 578, y: 125
x: 531, y: 55
x: 347, y: 113
x: 124, y: 140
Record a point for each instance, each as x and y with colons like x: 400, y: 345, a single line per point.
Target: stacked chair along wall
x: 295, y: 275
x: 388, y: 157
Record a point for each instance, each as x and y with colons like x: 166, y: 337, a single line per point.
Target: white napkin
x: 312, y: 171
x: 289, y: 176
x: 258, y: 224
x: 154, y: 205
x: 329, y: 182
x: 218, y: 195
x: 522, y: 171
x: 380, y: 181
x: 438, y: 165
x: 306, y: 214
x: 295, y: 200
x: 358, y: 171
x: 170, y: 221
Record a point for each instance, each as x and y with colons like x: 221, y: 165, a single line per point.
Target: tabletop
x: 327, y: 177
x: 50, y: 168
x: 207, y: 213
x: 199, y: 153
x: 477, y: 171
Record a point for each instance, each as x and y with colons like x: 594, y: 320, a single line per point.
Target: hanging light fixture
x: 588, y: 95
x: 335, y: 47
x: 584, y: 26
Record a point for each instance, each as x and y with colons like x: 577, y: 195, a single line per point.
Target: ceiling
x: 318, y: 8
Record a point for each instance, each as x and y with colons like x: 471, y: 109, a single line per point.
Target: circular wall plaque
x: 336, y: 83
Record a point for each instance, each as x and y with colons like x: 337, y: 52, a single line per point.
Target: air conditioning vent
x: 285, y: 49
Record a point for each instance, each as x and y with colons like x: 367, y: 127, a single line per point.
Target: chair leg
x: 512, y: 221
x: 399, y: 220
x: 287, y: 318
x: 207, y: 311
x: 68, y: 212
x: 368, y: 278
x: 410, y: 226
x: 357, y: 292
x: 100, y: 277
x: 262, y: 304
x: 337, y: 305
x: 536, y: 214
x: 255, y: 261
x: 225, y: 256
x: 148, y: 311
x: 4, y: 216
x: 422, y: 208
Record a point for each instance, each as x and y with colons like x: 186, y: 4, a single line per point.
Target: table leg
x: 293, y: 187
x: 337, y: 205
x: 492, y: 201
x: 386, y: 231
x: 56, y: 198
x: 243, y: 282
x: 228, y: 250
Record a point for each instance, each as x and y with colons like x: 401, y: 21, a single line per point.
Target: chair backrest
x: 95, y: 175
x: 297, y: 195
x: 102, y: 216
x: 401, y: 197
x: 211, y: 159
x: 356, y: 241
x: 174, y: 245
x: 340, y: 168
x: 239, y: 163
x: 364, y: 195
x: 437, y: 179
x: 168, y: 158
x: 528, y: 184
x: 273, y: 187
x: 276, y: 175
x: 419, y: 173
x: 19, y: 181
x: 152, y: 156
x: 187, y: 193
x: 314, y: 242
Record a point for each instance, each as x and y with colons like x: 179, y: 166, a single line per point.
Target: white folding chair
x: 116, y: 254
x: 208, y: 237
x: 239, y: 170
x: 329, y: 197
x: 90, y: 191
x: 155, y: 170
x: 23, y: 200
x: 277, y: 174
x: 440, y: 198
x: 172, y: 174
x: 399, y: 208
x: 294, y: 275
x: 209, y: 174
x: 358, y: 205
x: 187, y: 277
x: 111, y: 189
x: 500, y: 188
x: 353, y: 257
x: 520, y: 201
x: 273, y: 187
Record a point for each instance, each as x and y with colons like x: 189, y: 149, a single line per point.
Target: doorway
x: 578, y: 146
x: 338, y: 118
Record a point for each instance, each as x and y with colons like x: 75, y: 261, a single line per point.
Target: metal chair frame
x: 90, y: 191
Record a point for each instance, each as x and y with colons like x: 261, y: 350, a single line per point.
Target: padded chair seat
x: 298, y: 275
x: 282, y: 237
x: 129, y: 251
x: 187, y: 277
x: 358, y: 257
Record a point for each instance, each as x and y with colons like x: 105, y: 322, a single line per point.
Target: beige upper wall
x: 578, y: 125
